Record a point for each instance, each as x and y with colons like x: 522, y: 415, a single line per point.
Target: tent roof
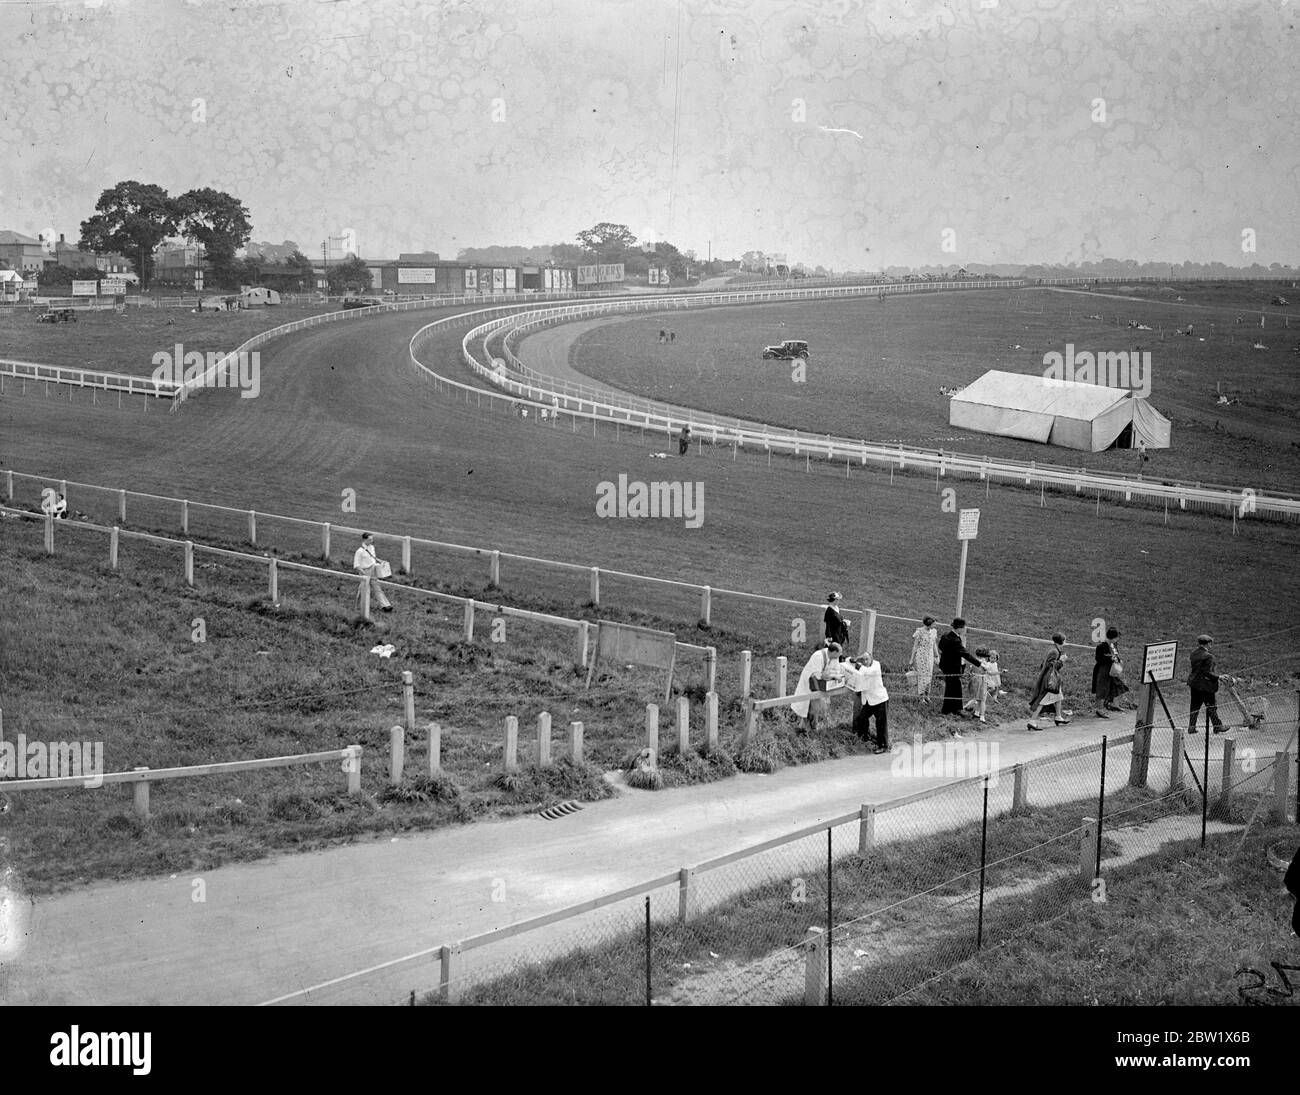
x: 1041, y: 394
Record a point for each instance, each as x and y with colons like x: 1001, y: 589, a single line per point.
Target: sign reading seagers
x: 635, y: 645
x: 1158, y: 660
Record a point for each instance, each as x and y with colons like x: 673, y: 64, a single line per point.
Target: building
x: 414, y: 275
x: 24, y: 253
x: 66, y: 254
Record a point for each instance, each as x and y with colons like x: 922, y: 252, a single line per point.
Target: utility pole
x: 325, y: 259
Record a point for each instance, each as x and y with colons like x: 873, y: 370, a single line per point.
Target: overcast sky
x: 841, y: 132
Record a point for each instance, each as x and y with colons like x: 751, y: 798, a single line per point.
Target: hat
x: 367, y: 536
x: 1203, y: 639
x: 927, y: 620
x: 1112, y: 632
x: 834, y: 596
x: 958, y: 624
x: 834, y: 648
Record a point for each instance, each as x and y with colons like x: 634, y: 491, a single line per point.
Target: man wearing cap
x: 952, y: 652
x: 364, y: 561
x: 837, y: 628
x: 1204, y: 683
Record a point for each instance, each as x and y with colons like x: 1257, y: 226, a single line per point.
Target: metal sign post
x: 968, y: 525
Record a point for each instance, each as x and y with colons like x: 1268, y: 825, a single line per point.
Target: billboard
x: 546, y: 278
x: 602, y: 274
x: 510, y: 278
x: 416, y: 275
x: 113, y: 287
x: 498, y: 278
x: 654, y: 275
x: 85, y: 288
x: 471, y: 279
x: 567, y: 281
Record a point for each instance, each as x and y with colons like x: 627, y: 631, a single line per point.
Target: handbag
x: 1116, y: 668
x: 382, y: 569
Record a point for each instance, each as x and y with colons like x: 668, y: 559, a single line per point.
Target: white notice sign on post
x: 968, y: 524
x: 1158, y: 661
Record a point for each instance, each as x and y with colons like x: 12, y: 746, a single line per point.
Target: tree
x: 302, y: 264
x: 348, y: 276
x: 606, y: 241
x: 132, y: 218
x: 568, y: 254
x: 220, y: 223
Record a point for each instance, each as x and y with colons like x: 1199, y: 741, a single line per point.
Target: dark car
x: 787, y: 350
x: 361, y: 302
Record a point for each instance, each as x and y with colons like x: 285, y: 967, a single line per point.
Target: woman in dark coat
x: 1048, y: 689
x: 837, y: 628
x: 1106, y: 689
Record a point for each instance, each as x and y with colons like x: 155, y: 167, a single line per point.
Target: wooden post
x: 750, y: 717
x: 866, y: 828
x: 325, y: 540
x: 112, y: 547
x: 866, y: 641
x: 273, y: 580
x: 814, y: 980
x: 185, y: 517
x: 1088, y: 850
x: 121, y: 501
x: 583, y: 643
x: 712, y: 659
x: 494, y: 570
x: 575, y: 742
x: 252, y: 527
x: 352, y: 766
x: 512, y: 744
x: 595, y: 585
x: 706, y: 605
x: 469, y: 621
x: 684, y: 894
x: 435, y: 749
x: 782, y: 662
x: 396, y: 754
x: 142, y: 794
x: 1020, y: 791
x: 408, y: 698
x: 1140, y: 760
x: 1176, y: 758
x: 746, y: 659
x: 9, y: 485
x: 406, y: 555
x: 365, y: 596
x: 544, y: 739
x: 49, y: 534
x: 710, y: 722
x: 652, y: 732
x: 1225, y: 787
x: 683, y: 725
x: 1281, y: 781
x: 189, y: 562
x: 448, y: 984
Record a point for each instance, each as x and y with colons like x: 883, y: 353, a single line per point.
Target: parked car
x: 1281, y: 302
x: 786, y: 351
x: 220, y: 304
x: 361, y: 302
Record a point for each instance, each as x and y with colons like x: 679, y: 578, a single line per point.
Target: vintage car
x: 786, y: 351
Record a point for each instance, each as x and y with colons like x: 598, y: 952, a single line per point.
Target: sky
x: 844, y: 133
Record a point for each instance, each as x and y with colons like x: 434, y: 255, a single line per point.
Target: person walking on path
x: 862, y: 674
x: 1107, y: 676
x: 366, y: 562
x: 684, y: 442
x: 1048, y: 687
x: 952, y: 655
x: 837, y: 627
x: 822, y: 665
x: 925, y: 652
x: 1204, y: 683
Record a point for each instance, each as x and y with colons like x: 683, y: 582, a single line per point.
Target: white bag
x: 382, y: 569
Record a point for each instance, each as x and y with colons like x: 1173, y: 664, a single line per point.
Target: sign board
x: 498, y: 278
x: 417, y: 275
x: 968, y: 524
x: 663, y: 277
x: 600, y: 274
x: 654, y: 275
x: 624, y: 644
x: 113, y: 287
x: 1158, y: 660
x: 85, y: 288
x: 471, y: 279
x: 511, y: 278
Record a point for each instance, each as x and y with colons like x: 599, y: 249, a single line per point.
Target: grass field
x: 877, y: 368
x: 341, y: 411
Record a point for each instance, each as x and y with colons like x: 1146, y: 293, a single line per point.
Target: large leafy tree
x: 219, y: 222
x: 607, y: 242
x: 349, y: 275
x: 131, y: 218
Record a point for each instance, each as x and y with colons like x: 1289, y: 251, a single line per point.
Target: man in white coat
x: 365, y: 561
x: 863, y: 676
x: 822, y: 666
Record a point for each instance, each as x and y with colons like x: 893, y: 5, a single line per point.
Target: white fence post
x: 396, y: 754
x: 683, y: 725
x: 49, y: 534
x: 408, y: 698
x: 544, y: 739
x: 325, y: 540
x: 575, y: 742
x: 273, y: 580
x: 814, y: 980
x: 435, y: 749
x: 185, y: 516
x: 583, y: 642
x: 595, y: 585
x: 866, y: 828
x: 112, y: 547
x: 365, y: 596
x: 782, y: 662
x: 706, y: 605
x: 121, y: 506
x: 652, y: 732
x: 352, y: 766
x: 406, y: 555
x: 710, y: 722
x: 494, y: 570
x: 252, y: 527
x: 142, y: 794
x: 469, y: 621
x: 189, y: 562
x: 746, y: 659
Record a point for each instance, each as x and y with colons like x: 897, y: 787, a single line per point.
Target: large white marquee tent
x: 1091, y: 417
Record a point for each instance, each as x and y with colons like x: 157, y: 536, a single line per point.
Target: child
x: 986, y: 682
